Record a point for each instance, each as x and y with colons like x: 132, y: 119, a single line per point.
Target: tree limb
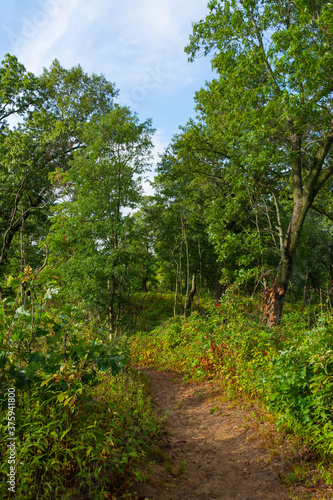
x: 320, y: 211
x: 12, y: 223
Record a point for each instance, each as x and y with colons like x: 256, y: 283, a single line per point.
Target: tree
x: 54, y: 108
x: 233, y: 213
x: 91, y: 231
x: 314, y: 265
x: 270, y: 110
x: 18, y: 90
x: 177, y: 214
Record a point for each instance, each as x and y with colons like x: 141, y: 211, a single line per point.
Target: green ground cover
x: 80, y: 417
x: 287, y: 368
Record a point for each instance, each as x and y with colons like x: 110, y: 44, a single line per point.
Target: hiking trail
x: 210, y: 443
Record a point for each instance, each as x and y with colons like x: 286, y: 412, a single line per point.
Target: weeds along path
x: 221, y: 461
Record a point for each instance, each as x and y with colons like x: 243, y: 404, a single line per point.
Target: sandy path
x: 221, y: 461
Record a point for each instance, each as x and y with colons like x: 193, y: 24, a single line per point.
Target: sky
x: 137, y: 44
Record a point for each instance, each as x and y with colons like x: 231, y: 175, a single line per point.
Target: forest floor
x: 210, y: 450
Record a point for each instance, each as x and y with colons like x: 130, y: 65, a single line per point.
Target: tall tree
x: 177, y: 214
x: 271, y: 106
x: 54, y: 108
x: 18, y: 89
x: 90, y: 236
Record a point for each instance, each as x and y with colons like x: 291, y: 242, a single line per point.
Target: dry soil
x: 221, y: 460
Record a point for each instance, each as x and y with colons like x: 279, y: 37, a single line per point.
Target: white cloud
x: 138, y: 44
x: 42, y: 31
x: 130, y: 39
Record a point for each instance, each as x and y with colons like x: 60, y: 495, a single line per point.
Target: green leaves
x: 17, y: 88
x: 56, y: 107
x: 289, y: 368
x: 269, y: 112
x: 90, y: 234
x: 100, y: 436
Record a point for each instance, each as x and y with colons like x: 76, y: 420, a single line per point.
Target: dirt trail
x: 221, y: 461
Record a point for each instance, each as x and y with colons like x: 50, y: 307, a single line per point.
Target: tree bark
x: 218, y: 287
x: 200, y: 262
x: 304, y: 193
x: 112, y: 293
x: 176, y: 284
x: 273, y: 298
x: 306, y: 287
x: 187, y: 268
x: 192, y: 293
x: 146, y: 275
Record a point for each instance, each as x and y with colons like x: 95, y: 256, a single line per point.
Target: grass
x: 286, y: 371
x: 111, y: 432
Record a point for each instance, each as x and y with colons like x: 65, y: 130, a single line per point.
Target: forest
x: 225, y: 272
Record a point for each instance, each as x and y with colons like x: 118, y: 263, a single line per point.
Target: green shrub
x: 82, y: 424
x: 92, y: 446
x: 290, y: 368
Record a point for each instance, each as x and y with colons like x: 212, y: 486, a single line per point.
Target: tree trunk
x: 273, y: 298
x: 187, y: 268
x: 306, y: 285
x: 112, y: 293
x: 176, y: 284
x: 303, y: 196
x: 330, y: 279
x: 292, y: 289
x: 180, y: 275
x: 218, y: 287
x: 200, y: 282
x: 192, y: 293
x: 146, y: 276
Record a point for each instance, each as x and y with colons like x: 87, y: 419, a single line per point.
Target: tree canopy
x: 239, y: 192
x: 268, y: 115
x: 52, y: 110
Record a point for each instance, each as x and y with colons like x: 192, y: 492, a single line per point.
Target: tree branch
x: 45, y: 261
x: 320, y: 211
x: 317, y: 178
x: 12, y: 223
x: 261, y: 47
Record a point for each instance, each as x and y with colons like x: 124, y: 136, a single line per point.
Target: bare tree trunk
x: 329, y: 293
x: 218, y: 287
x: 329, y: 267
x: 200, y: 263
x: 21, y: 243
x: 180, y: 276
x: 145, y: 278
x: 112, y: 293
x: 306, y: 285
x: 292, y: 290
x: 192, y: 293
x: 187, y: 267
x: 176, y: 284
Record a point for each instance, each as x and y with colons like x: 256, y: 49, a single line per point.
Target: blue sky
x: 137, y: 44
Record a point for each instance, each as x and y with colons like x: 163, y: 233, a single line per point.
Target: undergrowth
x: 91, y: 451
x: 77, y: 417
x: 288, y: 369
